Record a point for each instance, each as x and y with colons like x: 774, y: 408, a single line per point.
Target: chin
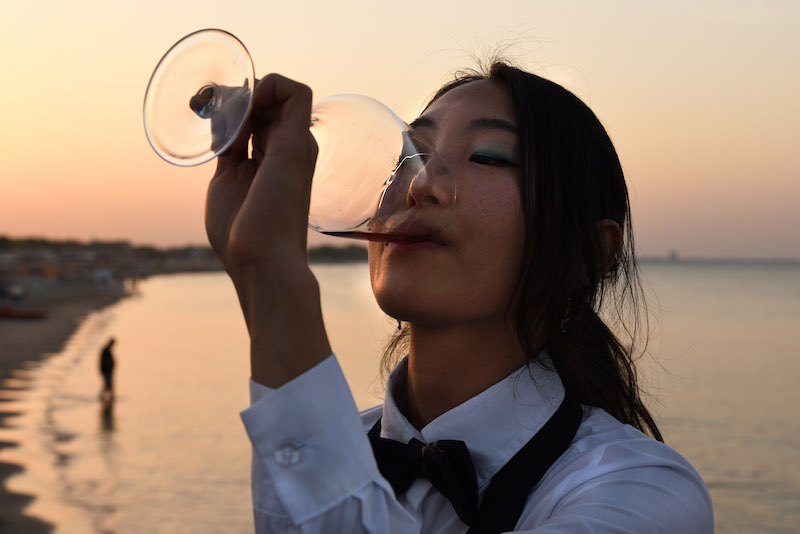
x: 397, y: 303
x: 415, y: 305
x: 412, y: 291
x: 395, y: 306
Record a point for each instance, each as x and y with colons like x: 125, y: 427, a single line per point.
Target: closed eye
x: 492, y: 160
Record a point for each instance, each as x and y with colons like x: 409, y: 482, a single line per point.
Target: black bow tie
x: 448, y: 466
x: 446, y: 463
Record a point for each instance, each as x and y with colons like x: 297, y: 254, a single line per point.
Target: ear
x: 612, y: 243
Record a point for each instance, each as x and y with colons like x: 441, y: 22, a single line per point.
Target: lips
x: 419, y: 232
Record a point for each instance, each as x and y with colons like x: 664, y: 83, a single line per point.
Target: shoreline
x: 26, y: 342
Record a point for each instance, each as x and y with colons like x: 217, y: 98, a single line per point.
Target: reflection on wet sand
x: 44, y: 497
x: 13, y: 504
x: 22, y: 344
x: 157, y: 457
x: 107, y: 417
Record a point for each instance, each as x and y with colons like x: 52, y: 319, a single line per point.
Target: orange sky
x: 700, y: 99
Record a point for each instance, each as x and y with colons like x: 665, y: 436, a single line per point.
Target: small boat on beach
x: 21, y: 313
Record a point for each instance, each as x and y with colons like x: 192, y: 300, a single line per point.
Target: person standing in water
x: 107, y: 370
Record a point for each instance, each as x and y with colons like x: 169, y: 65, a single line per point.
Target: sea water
x: 170, y: 454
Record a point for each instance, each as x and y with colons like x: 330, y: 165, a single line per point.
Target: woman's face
x: 468, y: 271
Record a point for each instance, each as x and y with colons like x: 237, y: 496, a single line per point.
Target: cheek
x: 495, y: 213
x: 497, y: 262
x: 499, y: 232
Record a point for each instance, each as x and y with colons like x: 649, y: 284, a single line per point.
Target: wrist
x: 284, y: 320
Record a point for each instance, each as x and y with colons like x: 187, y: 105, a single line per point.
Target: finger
x: 237, y: 152
x: 284, y: 153
x: 236, y: 102
x: 281, y: 120
x: 278, y: 99
x: 278, y: 103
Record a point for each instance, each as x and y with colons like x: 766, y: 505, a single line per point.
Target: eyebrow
x: 423, y: 122
x: 483, y: 123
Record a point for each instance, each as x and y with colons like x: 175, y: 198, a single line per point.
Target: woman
x: 505, y: 350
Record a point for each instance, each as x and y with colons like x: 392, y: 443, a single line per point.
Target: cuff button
x: 287, y: 456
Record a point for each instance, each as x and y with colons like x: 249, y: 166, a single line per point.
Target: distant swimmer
x: 107, y: 370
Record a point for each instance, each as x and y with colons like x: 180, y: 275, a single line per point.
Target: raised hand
x: 257, y: 207
x: 256, y: 220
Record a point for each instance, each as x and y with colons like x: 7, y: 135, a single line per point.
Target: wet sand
x: 22, y: 343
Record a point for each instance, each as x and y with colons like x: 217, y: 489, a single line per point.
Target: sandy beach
x: 31, y: 340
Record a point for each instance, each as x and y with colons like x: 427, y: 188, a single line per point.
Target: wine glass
x: 370, y: 168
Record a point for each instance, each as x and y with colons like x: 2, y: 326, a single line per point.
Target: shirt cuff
x: 310, y: 439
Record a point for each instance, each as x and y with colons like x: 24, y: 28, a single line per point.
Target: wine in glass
x: 370, y: 167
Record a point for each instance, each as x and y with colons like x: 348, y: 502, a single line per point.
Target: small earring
x: 399, y: 325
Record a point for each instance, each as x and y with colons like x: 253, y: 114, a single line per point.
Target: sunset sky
x: 702, y: 99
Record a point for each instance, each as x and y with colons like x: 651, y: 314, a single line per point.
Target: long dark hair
x: 571, y: 180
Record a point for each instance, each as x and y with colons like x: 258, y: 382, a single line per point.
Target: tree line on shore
x: 65, y: 258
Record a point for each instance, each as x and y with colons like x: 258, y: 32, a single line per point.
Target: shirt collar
x: 494, y: 424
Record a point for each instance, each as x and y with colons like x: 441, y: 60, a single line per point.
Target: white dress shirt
x: 314, y: 472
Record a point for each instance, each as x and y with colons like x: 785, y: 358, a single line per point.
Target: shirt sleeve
x: 313, y: 468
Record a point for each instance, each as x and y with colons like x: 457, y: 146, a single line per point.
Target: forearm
x: 282, y: 310
x: 256, y: 220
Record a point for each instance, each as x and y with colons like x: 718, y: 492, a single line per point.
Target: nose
x: 419, y: 181
x: 432, y: 185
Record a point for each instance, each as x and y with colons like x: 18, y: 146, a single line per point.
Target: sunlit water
x: 170, y: 454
